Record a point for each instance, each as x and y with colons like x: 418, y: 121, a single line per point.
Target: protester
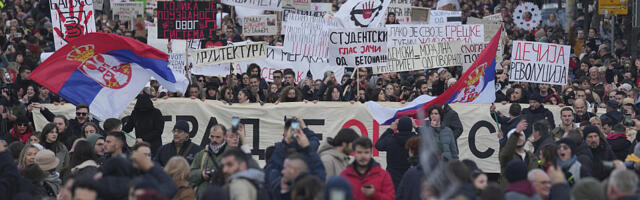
x: 178, y: 169
x: 335, y: 152
x: 443, y: 137
x: 242, y: 182
x: 49, y: 140
x: 180, y: 146
x: 368, y: 180
x: 206, y: 168
x: 393, y: 141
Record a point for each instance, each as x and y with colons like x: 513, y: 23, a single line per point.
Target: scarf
x: 568, y: 163
x: 216, y: 148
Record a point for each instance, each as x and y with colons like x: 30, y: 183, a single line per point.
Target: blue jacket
x: 275, y: 165
x: 411, y: 183
x: 397, y: 155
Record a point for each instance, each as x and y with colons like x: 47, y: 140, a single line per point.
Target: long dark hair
x: 83, y: 151
x: 45, y: 131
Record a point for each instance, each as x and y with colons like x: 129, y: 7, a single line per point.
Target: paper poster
x: 402, y: 10
x: 445, y: 17
x: 422, y: 56
x: 419, y: 14
x: 127, y: 10
x: 538, y: 62
x: 316, y: 10
x: 363, y: 13
x: 297, y: 4
x: 410, y: 34
x: 274, y: 5
x: 71, y: 19
x: 364, y: 47
x: 228, y: 54
x: 186, y: 19
x: 307, y: 35
x: 259, y: 25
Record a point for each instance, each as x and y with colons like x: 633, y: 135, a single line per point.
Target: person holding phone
x: 368, y: 180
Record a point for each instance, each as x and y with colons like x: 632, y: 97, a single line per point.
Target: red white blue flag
x: 104, y: 71
x: 476, y: 86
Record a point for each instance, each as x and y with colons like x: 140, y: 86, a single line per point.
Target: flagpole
x: 357, y: 82
x: 187, y: 69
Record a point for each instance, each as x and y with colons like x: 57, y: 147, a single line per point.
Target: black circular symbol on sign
x: 472, y: 139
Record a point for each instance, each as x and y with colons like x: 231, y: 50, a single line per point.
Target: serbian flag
x: 104, y: 71
x: 476, y: 86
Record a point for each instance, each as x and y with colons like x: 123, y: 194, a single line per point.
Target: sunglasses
x: 200, y: 80
x: 81, y: 113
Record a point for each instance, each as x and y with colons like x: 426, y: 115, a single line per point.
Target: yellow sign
x: 613, y: 7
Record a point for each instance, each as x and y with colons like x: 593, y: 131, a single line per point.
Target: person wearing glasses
x: 75, y: 125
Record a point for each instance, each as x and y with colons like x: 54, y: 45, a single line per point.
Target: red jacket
x: 376, y: 176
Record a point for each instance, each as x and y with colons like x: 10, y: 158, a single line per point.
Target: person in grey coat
x: 443, y: 136
x: 334, y: 153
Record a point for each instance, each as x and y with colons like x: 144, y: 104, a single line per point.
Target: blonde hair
x: 23, y: 153
x: 177, y: 168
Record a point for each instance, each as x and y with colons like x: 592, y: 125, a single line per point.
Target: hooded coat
x: 620, y: 145
x: 334, y: 161
x: 393, y: 144
x: 241, y: 185
x: 147, y: 121
x: 533, y: 115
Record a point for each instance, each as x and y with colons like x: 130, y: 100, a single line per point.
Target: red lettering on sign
x: 364, y: 132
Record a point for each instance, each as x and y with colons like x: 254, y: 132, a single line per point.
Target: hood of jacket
x: 254, y: 175
x: 87, y: 163
x: 614, y: 136
x: 53, y: 178
x: 143, y: 103
x: 327, y: 149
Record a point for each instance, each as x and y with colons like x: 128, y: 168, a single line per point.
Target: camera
x: 209, y: 172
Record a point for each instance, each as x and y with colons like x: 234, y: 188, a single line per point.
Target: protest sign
x: 402, y: 10
x: 419, y: 14
x: 297, y: 4
x: 478, y: 142
x: 98, y: 4
x: 177, y: 62
x: 259, y: 25
x: 445, y: 17
x: 228, y: 54
x: 410, y: 34
x: 274, y: 5
x: 71, y: 19
x: 317, y: 10
x: 150, y: 6
x: 538, y: 62
x: 139, y: 25
x: 363, y: 47
x: 470, y: 52
x: 186, y: 19
x: 363, y: 13
x: 127, y: 10
x: 307, y: 35
x: 277, y: 59
x: 422, y: 56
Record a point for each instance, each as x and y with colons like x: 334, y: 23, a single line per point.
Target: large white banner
x: 411, y: 34
x: 538, y: 62
x: 363, y: 47
x: 363, y: 13
x: 71, y: 19
x: 264, y: 124
x: 307, y: 35
x: 275, y: 5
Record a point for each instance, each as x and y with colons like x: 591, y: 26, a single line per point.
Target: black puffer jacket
x: 534, y: 115
x: 393, y: 144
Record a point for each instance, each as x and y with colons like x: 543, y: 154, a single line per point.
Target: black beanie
x: 405, y: 124
x: 516, y: 171
x: 568, y: 142
x: 590, y: 129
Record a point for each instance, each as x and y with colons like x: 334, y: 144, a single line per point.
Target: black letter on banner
x: 205, y: 138
x: 256, y: 136
x: 472, y: 139
x: 194, y: 123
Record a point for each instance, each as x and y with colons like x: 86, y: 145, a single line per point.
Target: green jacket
x: 203, y: 160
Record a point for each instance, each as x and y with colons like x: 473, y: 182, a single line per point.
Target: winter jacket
x: 616, y: 116
x: 61, y: 153
x: 76, y: 127
x: 521, y: 190
x: 241, y: 185
x: 506, y: 124
x: 601, y: 153
x: 620, y: 145
x: 84, y: 165
x: 397, y: 155
x: 452, y: 120
x: 375, y: 176
x: 274, y: 176
x: 560, y: 191
x: 508, y: 153
x: 185, y: 192
x: 535, y: 115
x: 24, y: 138
x: 52, y: 184
x: 581, y: 118
x: 164, y: 183
x: 9, y: 176
x: 274, y: 166
x: 146, y: 119
x: 537, y: 145
x: 169, y: 150
x: 575, y: 171
x: 205, y: 159
x: 116, y: 172
x: 410, y: 183
x: 444, y: 140
x: 334, y: 161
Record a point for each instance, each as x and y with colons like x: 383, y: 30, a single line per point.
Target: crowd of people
x: 586, y: 154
